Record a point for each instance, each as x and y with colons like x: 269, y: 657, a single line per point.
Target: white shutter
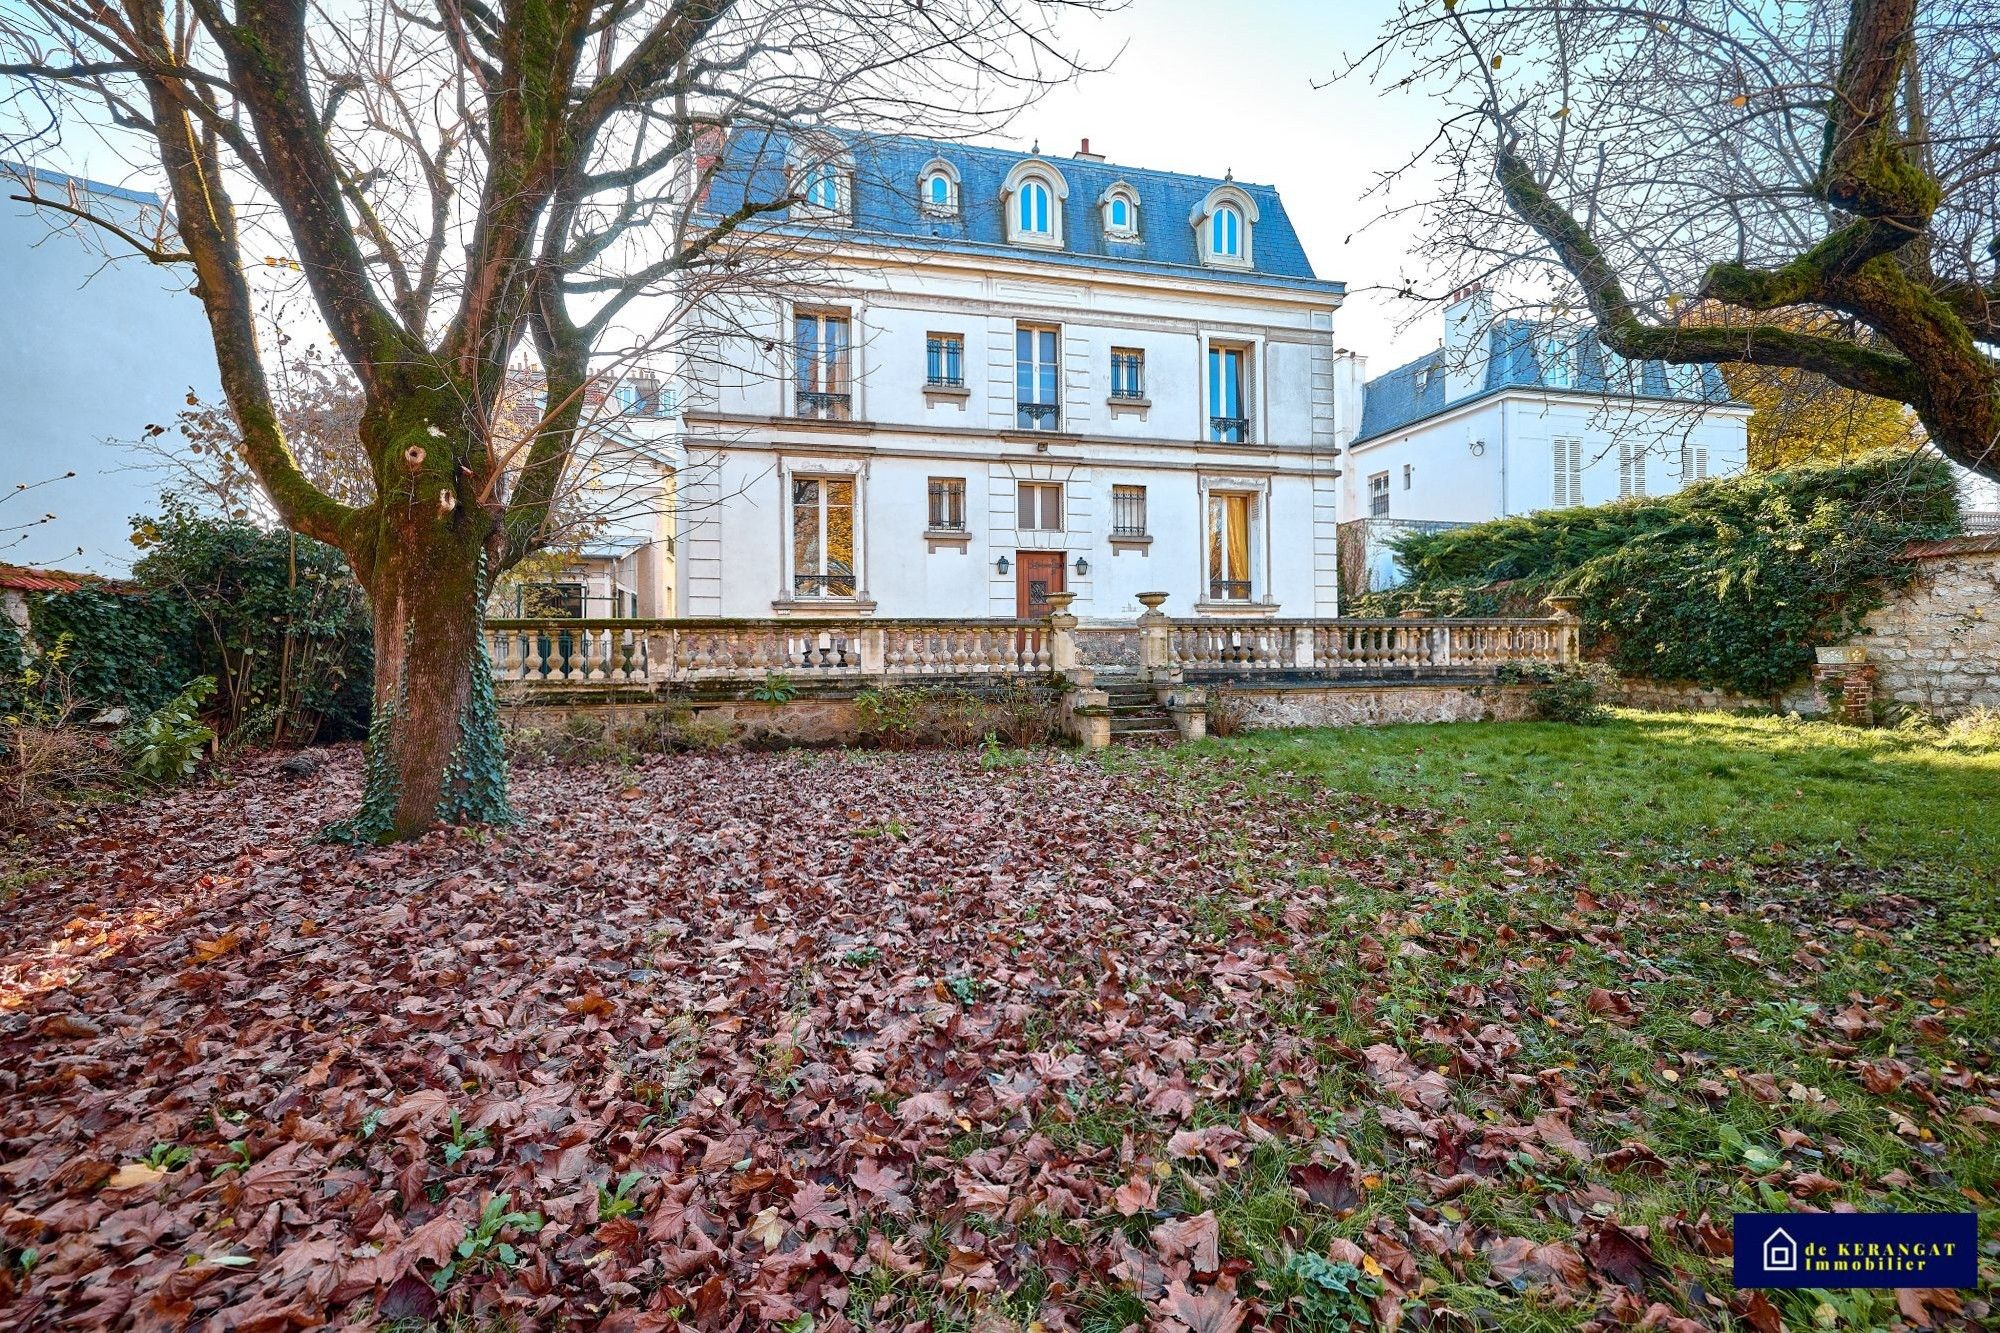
x: 1568, y: 459
x: 1631, y: 470
x: 1701, y: 463
x: 1559, y: 469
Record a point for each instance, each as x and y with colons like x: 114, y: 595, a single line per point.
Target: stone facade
x: 1936, y: 645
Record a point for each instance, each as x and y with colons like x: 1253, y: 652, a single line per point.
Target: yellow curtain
x: 1239, y: 537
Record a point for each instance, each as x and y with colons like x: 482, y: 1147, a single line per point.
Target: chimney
x: 1468, y: 324
x: 1086, y: 155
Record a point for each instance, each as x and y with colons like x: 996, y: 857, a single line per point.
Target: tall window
x: 1228, y: 547
x: 1378, y: 495
x: 939, y: 193
x: 1121, y: 215
x: 1039, y: 506
x: 947, y: 504
x: 944, y: 360
x: 819, y: 184
x: 1409, y: 471
x: 1555, y: 357
x: 1225, y: 232
x: 1033, y: 203
x: 1567, y: 464
x: 823, y: 536
x: 1694, y: 463
x: 1631, y: 469
x: 1036, y: 377
x: 1228, y: 422
x: 1128, y: 511
x: 1128, y: 373
x: 822, y: 349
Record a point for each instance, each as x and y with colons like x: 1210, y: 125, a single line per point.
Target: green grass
x: 1715, y: 783
x: 1738, y: 881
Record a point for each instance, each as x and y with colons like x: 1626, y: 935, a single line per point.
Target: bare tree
x: 1808, y: 186
x: 458, y: 184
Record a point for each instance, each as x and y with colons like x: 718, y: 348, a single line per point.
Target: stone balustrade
x: 656, y: 652
x: 680, y: 652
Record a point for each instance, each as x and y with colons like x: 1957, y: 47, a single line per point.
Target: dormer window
x: 823, y: 181
x: 937, y: 189
x: 1034, y: 194
x: 1121, y: 212
x: 1225, y: 224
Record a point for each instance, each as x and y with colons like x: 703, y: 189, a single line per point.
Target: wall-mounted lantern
x: 1001, y: 564
x: 1082, y: 567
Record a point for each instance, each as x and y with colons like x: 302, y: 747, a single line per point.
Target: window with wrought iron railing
x: 1128, y: 374
x: 1128, y: 511
x: 1036, y: 378
x: 821, y: 351
x: 947, y: 504
x: 1378, y: 495
x: 1229, y: 430
x: 944, y: 361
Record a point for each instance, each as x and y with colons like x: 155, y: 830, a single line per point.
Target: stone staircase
x: 1136, y: 716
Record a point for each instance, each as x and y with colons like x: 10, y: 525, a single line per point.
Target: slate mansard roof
x: 1397, y: 399
x: 886, y: 210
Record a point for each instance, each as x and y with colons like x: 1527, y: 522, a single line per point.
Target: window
x: 937, y: 189
x: 1378, y: 495
x: 944, y: 360
x: 1631, y: 470
x: 1555, y: 357
x: 1229, y: 547
x: 1128, y: 511
x: 823, y: 536
x: 1035, y: 377
x: 642, y: 395
x: 1567, y: 465
x: 1225, y: 233
x: 1694, y: 463
x: 822, y: 344
x: 550, y: 599
x: 1039, y: 506
x: 1128, y: 373
x: 819, y: 185
x: 947, y: 504
x: 1034, y: 215
x: 1228, y: 420
x: 1408, y: 469
x: 1121, y: 212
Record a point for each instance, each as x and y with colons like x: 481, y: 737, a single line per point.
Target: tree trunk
x: 434, y: 749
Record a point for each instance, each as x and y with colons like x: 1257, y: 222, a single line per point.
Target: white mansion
x: 1016, y: 374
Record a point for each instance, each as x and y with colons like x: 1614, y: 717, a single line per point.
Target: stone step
x: 1126, y: 726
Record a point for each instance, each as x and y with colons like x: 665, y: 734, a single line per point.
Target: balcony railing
x: 825, y: 406
x: 1039, y: 416
x: 945, y: 382
x: 1369, y: 649
x: 1229, y: 430
x: 1229, y: 590
x: 823, y: 585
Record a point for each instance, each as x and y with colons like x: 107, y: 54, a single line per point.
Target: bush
x: 901, y: 717
x: 1225, y: 714
x: 277, y: 619
x: 1731, y: 582
x: 46, y: 751
x: 166, y: 746
x: 123, y: 648
x: 1567, y: 693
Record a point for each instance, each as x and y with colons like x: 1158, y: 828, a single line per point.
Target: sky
x: 1192, y: 91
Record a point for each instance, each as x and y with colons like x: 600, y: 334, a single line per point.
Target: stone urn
x: 1566, y: 607
x: 1059, y: 603
x: 1152, y: 601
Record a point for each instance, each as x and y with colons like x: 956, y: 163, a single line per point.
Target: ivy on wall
x: 1730, y: 583
x: 124, y: 649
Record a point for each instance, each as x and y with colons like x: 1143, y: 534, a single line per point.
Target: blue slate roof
x: 886, y: 209
x: 1414, y: 391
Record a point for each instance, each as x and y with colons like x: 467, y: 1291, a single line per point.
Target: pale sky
x: 1205, y: 88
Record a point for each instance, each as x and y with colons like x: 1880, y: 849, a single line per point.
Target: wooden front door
x: 1036, y: 575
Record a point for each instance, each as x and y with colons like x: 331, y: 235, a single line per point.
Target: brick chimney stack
x: 1086, y: 155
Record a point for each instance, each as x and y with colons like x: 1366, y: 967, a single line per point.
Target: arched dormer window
x: 1120, y: 205
x: 937, y: 188
x: 823, y: 181
x: 1033, y: 194
x: 1225, y: 223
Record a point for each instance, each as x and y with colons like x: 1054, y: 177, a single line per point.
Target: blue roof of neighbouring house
x: 1397, y: 398
x: 886, y: 209
x: 38, y: 175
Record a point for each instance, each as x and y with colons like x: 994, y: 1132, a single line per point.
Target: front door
x: 1036, y: 575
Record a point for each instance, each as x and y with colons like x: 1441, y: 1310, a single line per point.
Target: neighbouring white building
x: 93, y: 350
x: 1509, y: 416
x: 1015, y: 374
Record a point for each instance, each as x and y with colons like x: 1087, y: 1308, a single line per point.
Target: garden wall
x: 1936, y: 645
x: 1277, y: 706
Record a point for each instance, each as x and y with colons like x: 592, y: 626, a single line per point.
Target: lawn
x: 1446, y: 1027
